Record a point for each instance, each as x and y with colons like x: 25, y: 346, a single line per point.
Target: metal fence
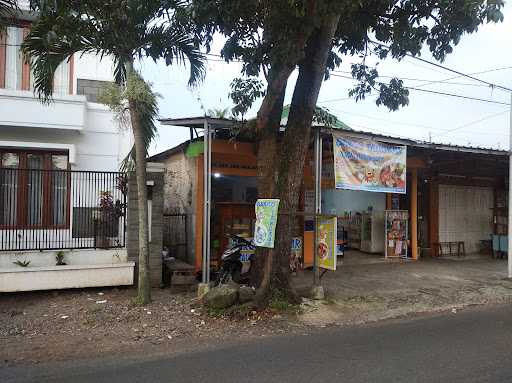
x: 61, y: 209
x: 175, y: 235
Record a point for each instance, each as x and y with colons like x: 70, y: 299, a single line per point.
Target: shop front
x: 392, y: 197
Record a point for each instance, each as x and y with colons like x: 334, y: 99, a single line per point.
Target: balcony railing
x: 61, y: 209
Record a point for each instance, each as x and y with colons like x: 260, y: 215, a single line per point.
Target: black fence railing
x: 61, y: 209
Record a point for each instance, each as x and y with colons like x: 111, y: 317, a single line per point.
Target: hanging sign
x: 326, y: 241
x: 266, y: 221
x: 362, y: 164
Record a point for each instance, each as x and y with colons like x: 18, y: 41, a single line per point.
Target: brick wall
x: 157, y: 203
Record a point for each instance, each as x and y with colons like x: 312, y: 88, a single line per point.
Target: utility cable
x: 431, y: 91
x: 449, y: 69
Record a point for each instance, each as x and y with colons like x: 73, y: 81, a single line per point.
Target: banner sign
x: 362, y: 164
x: 266, y: 221
x: 326, y: 232
x: 296, y: 257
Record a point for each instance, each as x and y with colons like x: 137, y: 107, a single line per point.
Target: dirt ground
x: 43, y: 326
x: 367, y: 288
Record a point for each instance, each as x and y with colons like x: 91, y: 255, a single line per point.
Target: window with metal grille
x: 34, y: 189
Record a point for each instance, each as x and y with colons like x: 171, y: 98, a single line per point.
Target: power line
x: 418, y: 79
x: 473, y: 73
x: 473, y: 123
x: 433, y: 92
x: 449, y: 69
x: 386, y: 120
x: 458, y: 95
x: 446, y: 131
x: 462, y: 74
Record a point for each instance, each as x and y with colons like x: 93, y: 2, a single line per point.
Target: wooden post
x: 414, y: 213
x: 389, y: 203
x: 433, y: 217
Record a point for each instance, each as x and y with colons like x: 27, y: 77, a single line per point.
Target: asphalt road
x: 470, y: 346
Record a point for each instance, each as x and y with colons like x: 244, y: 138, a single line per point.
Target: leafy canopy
x: 123, y: 29
x: 138, y: 96
x: 264, y: 34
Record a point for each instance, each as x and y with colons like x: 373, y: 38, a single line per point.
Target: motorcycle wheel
x: 224, y: 277
x: 235, y: 275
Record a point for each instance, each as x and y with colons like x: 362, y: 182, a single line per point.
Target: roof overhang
x: 198, y: 122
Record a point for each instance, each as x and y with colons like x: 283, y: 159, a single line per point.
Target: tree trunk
x: 294, y: 147
x: 267, y: 156
x: 144, y: 288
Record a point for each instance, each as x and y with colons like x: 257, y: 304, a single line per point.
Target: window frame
x: 26, y: 71
x: 22, y: 195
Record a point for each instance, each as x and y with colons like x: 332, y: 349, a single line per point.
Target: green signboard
x: 266, y: 221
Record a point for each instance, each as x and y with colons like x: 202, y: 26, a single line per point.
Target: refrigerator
x: 372, y: 232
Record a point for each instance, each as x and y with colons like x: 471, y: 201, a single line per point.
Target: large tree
x: 125, y: 30
x: 276, y: 37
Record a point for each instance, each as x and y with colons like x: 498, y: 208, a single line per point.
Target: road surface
x: 474, y: 345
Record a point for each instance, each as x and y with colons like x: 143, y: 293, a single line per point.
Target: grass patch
x: 234, y: 312
x: 137, y: 301
x: 279, y: 302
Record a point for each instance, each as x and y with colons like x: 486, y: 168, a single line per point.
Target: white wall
x: 336, y: 201
x: 101, y: 144
x: 91, y: 67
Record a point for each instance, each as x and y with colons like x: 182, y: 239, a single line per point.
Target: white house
x: 60, y: 190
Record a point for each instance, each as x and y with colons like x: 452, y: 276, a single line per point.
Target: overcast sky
x: 444, y: 119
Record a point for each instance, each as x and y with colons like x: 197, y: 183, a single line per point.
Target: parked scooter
x: 236, y: 261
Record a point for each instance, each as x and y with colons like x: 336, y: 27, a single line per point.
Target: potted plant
x: 106, y: 220
x: 59, y: 257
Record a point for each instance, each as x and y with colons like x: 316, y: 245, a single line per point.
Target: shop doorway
x: 465, y: 215
x: 233, y: 199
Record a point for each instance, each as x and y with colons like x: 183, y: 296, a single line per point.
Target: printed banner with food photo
x: 361, y: 164
x: 326, y: 242
x: 266, y: 221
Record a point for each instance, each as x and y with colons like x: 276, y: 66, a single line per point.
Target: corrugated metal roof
x: 339, y: 126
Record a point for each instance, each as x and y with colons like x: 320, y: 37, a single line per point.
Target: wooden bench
x: 453, y: 248
x: 180, y: 273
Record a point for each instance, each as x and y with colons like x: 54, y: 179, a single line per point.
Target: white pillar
x: 509, y: 251
x: 207, y: 157
x: 318, y: 198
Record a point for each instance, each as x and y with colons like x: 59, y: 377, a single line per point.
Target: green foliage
x: 322, y: 117
x: 24, y: 263
x: 59, y: 258
x: 123, y: 29
x: 138, y: 95
x: 271, y: 34
x: 280, y: 302
x: 244, y: 92
x: 219, y: 113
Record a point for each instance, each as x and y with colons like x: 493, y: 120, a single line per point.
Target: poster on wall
x: 396, y: 225
x: 296, y: 255
x: 266, y: 221
x: 326, y: 241
x: 362, y: 164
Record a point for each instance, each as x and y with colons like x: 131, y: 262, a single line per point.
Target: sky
x: 434, y: 117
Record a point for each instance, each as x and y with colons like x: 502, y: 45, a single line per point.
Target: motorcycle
x: 236, y: 261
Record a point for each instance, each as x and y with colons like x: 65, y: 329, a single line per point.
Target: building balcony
x: 23, y: 109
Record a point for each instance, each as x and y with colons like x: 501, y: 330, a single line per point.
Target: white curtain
x: 61, y: 79
x: 14, y: 61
